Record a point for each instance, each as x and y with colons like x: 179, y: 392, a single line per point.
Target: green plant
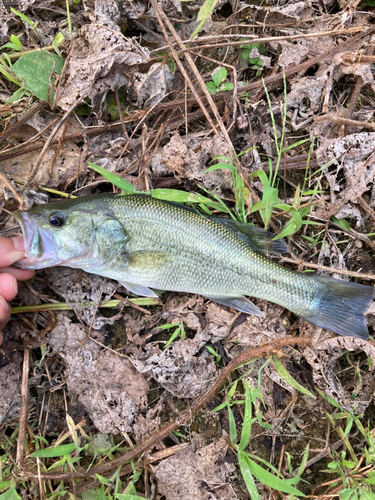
x: 180, y: 330
x: 59, y: 38
x: 217, y: 84
x: 24, y: 17
x: 250, y: 464
x: 251, y: 52
x: 205, y: 12
x: 355, y: 470
x: 270, y: 196
x: 241, y: 193
x: 68, y: 16
x: 5, y: 69
x: 214, y: 353
x: 173, y: 195
x: 14, y: 44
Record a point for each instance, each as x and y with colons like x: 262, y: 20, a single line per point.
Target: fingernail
x: 4, y: 305
x: 15, y: 286
x: 18, y: 243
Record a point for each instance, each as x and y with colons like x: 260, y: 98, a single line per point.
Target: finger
x: 1, y: 338
x: 19, y: 274
x: 11, y: 249
x: 8, y: 286
x: 4, y: 312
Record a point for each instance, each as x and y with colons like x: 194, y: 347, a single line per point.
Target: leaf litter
x: 123, y: 103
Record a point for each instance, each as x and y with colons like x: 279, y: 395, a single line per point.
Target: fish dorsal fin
x: 258, y: 238
x: 240, y: 303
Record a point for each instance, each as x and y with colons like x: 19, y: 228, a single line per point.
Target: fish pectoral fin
x: 148, y: 260
x: 110, y: 240
x: 141, y: 290
x: 240, y: 303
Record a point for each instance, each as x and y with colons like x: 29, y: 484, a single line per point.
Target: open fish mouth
x: 40, y: 248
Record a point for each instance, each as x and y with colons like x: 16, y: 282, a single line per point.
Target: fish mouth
x: 40, y: 247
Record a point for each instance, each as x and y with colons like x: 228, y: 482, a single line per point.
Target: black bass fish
x: 145, y: 243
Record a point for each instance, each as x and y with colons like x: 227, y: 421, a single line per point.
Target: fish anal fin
x: 240, y: 303
x: 141, y: 290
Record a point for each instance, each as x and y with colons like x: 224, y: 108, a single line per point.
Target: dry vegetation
x: 93, y: 403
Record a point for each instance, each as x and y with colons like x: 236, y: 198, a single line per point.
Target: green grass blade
x: 220, y: 166
x: 247, y: 476
x: 269, y: 479
x: 119, y: 182
x: 232, y: 426
x: 247, y: 421
x: 63, y: 306
x: 285, y: 375
x: 58, y: 451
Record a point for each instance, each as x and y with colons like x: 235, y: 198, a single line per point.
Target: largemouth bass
x: 148, y: 244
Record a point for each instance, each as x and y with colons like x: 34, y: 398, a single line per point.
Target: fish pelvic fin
x: 341, y: 307
x: 141, y: 290
x: 240, y: 303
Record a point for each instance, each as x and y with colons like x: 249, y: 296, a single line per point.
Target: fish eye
x: 57, y: 219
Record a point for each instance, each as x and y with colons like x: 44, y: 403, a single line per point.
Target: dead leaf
x: 197, y: 474
x: 99, y: 60
x: 10, y: 393
x: 178, y: 368
x: 188, y: 158
x: 323, y: 358
x: 78, y: 287
x: 109, y: 386
x: 150, y: 88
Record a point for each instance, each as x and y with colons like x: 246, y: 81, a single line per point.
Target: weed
x: 5, y: 69
x: 26, y: 19
x: 214, y: 353
x: 68, y: 16
x: 355, y: 471
x: 248, y: 462
x: 180, y: 330
x: 241, y: 193
x: 14, y: 44
x: 205, y: 12
x: 217, y: 84
x: 250, y: 53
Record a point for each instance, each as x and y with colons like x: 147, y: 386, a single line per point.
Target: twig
x: 366, y: 207
x: 23, y: 119
x: 49, y: 140
x: 131, y: 304
x: 303, y: 263
x: 23, y: 410
x: 253, y: 39
x: 162, y: 18
x: 344, y: 121
x: 21, y: 202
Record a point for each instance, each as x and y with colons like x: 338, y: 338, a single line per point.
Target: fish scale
x: 146, y: 243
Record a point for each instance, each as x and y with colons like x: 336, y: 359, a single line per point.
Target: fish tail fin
x: 342, y: 306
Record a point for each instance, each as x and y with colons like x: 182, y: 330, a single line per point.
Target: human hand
x: 11, y: 250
